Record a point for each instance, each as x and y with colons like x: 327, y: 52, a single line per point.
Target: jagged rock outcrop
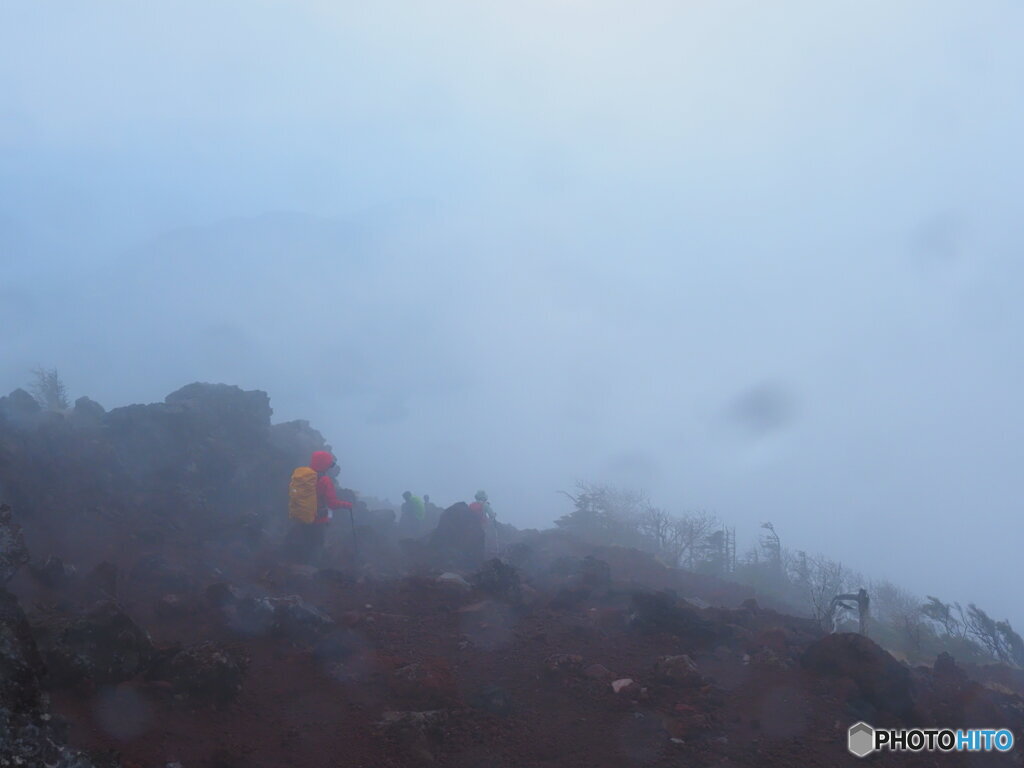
x: 13, y: 553
x: 207, y: 459
x: 458, y: 540
x: 29, y: 735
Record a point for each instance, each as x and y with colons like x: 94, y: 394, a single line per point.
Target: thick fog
x: 757, y: 259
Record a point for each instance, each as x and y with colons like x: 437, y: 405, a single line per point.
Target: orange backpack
x: 302, y: 495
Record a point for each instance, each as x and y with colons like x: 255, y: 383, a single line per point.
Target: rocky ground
x: 149, y: 620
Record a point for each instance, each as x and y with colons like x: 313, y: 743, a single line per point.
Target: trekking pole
x: 355, y: 544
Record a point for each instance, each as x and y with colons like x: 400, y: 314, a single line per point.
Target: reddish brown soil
x: 295, y: 710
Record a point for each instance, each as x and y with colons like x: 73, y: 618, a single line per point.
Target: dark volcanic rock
x: 104, y: 578
x: 664, y: 612
x: 87, y: 412
x: 221, y: 594
x: 19, y: 405
x: 55, y: 573
x: 158, y: 573
x: 103, y: 646
x: 587, y: 571
x: 500, y: 580
x: 13, y: 553
x: 881, y: 682
x: 458, y: 540
x: 563, y: 664
x: 28, y: 736
x: 225, y: 404
x: 20, y: 664
x: 298, y: 620
x: 678, y: 670
x: 290, y: 617
x: 209, y: 673
x: 250, y: 616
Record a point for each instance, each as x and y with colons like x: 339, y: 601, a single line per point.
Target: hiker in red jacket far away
x: 481, y: 507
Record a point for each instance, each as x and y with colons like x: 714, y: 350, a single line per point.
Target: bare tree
x: 48, y: 389
x: 655, y: 524
x: 976, y: 629
x: 988, y: 632
x: 823, y: 579
x: 605, y: 514
x: 688, y: 534
x: 717, y: 553
x: 901, y: 610
x: 942, y: 614
x: 1012, y: 643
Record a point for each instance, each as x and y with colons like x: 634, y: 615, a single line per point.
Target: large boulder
x: 28, y: 734
x: 299, y: 621
x: 87, y: 413
x: 881, y: 686
x: 458, y: 540
x: 207, y: 673
x: 664, y: 612
x: 587, y: 571
x: 290, y: 617
x: 19, y: 408
x: 249, y: 616
x: 102, y: 646
x: 500, y: 580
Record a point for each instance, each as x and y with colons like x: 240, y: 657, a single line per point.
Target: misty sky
x: 762, y: 259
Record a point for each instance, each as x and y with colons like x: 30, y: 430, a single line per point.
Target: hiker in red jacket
x: 326, y: 498
x: 481, y: 507
x: 307, y: 539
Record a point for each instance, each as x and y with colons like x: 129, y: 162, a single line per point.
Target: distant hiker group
x: 313, y: 497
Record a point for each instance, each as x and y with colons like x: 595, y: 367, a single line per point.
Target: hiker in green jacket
x: 411, y: 523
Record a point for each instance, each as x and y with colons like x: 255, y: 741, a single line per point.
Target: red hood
x: 321, y: 461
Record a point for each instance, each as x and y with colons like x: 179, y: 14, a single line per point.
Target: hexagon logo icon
x: 860, y: 739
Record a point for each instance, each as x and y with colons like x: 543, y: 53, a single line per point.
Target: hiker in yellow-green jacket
x: 414, y: 513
